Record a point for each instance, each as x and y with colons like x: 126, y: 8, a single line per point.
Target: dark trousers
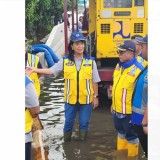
x: 28, y: 151
x: 125, y: 128
x: 143, y: 138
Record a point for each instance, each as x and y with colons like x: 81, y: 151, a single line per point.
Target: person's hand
x: 111, y: 109
x: 95, y: 102
x: 29, y: 70
x: 145, y: 130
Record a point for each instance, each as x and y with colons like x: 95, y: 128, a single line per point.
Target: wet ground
x: 101, y: 142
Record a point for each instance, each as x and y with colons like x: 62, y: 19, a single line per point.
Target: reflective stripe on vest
x: 28, y: 117
x: 78, y: 84
x: 33, y: 62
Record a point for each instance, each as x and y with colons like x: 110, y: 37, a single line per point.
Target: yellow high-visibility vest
x: 28, y: 121
x: 78, y: 84
x: 123, y: 87
x: 142, y: 61
x: 33, y: 62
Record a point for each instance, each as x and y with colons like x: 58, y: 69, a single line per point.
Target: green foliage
x: 49, y: 28
x: 41, y: 16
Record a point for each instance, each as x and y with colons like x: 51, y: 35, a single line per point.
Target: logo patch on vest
x: 86, y: 63
x: 132, y: 72
x: 70, y: 63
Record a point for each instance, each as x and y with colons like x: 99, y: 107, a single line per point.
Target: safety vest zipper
x: 77, y: 86
x: 78, y: 82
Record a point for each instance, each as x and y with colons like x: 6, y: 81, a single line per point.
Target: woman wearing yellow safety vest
x: 125, y: 74
x: 81, y: 85
x: 31, y: 111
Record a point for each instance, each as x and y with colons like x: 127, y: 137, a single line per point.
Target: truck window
x: 117, y: 3
x: 139, y: 3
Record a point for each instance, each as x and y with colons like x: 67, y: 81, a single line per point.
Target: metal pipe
x: 72, y: 15
x: 77, y: 14
x: 65, y: 27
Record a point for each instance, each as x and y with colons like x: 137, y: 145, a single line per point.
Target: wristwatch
x: 95, y: 96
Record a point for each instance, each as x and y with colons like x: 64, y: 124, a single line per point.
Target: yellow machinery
x: 113, y: 21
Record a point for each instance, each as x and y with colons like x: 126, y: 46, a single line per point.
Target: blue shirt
x: 140, y: 97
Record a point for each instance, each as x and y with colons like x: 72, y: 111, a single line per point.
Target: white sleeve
x: 57, y: 68
x: 95, y: 74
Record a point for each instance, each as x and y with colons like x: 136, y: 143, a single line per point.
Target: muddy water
x: 101, y: 143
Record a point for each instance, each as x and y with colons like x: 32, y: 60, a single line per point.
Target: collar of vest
x: 128, y: 63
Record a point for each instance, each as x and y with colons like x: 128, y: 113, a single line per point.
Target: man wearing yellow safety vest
x: 81, y: 85
x: 138, y: 53
x: 31, y: 111
x: 125, y: 74
x: 32, y: 61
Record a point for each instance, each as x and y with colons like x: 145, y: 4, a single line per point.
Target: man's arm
x: 145, y: 121
x: 34, y: 111
x: 145, y: 100
x: 31, y: 100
